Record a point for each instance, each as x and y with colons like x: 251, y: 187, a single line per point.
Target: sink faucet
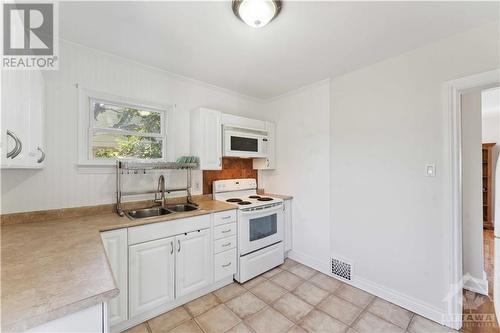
x: 161, y: 191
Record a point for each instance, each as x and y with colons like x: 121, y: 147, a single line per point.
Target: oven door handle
x: 263, y: 211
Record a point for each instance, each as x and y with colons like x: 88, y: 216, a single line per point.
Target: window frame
x: 87, y: 126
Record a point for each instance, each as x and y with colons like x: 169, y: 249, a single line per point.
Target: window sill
x: 96, y: 167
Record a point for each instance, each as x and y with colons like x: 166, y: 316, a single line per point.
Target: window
x: 117, y: 128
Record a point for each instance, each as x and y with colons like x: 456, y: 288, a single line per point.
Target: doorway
x: 480, y: 134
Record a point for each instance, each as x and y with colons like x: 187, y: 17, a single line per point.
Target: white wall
x: 302, y: 169
x: 60, y: 184
x: 472, y: 194
x: 387, y: 122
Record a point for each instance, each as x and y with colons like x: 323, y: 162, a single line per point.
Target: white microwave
x: 244, y: 142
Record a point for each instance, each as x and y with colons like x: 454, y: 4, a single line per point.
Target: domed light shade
x: 256, y: 13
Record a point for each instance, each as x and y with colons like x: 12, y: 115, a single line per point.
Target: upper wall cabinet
x: 23, y: 105
x: 206, y: 138
x: 237, y: 121
x: 268, y: 163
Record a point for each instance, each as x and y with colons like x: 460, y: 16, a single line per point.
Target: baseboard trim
x: 410, y: 303
x: 479, y: 286
x: 309, y: 261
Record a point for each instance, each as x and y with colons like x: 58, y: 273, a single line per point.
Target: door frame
x: 453, y: 144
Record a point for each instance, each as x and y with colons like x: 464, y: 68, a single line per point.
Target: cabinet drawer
x: 224, y: 217
x: 225, y: 230
x: 225, y: 264
x: 224, y: 244
x: 158, y: 230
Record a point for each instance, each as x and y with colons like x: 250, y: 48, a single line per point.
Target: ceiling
x: 307, y: 42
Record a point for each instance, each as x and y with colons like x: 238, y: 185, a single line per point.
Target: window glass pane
x: 263, y: 227
x: 244, y: 144
x: 111, y: 145
x: 108, y: 115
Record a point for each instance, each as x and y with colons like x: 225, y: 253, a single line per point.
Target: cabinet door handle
x: 226, y: 217
x: 227, y: 265
x: 267, y: 162
x: 172, y: 247
x: 18, y: 147
x: 226, y: 245
x: 220, y: 161
x: 42, y: 158
x: 226, y: 231
x: 179, y: 243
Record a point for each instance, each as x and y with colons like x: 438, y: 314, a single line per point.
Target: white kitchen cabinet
x: 23, y: 105
x: 115, y: 244
x: 287, y: 214
x: 193, y: 262
x: 89, y: 320
x: 206, y: 138
x: 151, y: 275
x: 268, y: 163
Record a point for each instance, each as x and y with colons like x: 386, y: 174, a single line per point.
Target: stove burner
x: 254, y: 197
x: 265, y: 199
x: 244, y: 203
x: 234, y: 200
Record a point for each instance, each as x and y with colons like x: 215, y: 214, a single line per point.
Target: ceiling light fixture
x: 256, y: 13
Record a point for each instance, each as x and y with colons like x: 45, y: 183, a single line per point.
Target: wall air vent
x: 341, y: 269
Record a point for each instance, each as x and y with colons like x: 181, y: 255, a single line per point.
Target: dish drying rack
x: 137, y: 167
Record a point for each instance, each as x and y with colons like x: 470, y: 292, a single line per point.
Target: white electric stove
x: 260, y: 226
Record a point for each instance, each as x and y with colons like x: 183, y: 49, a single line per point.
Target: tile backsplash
x: 231, y: 168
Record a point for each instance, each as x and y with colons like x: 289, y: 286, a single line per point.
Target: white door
x: 151, y: 275
x: 212, y: 139
x: 22, y: 119
x: 115, y: 244
x: 193, y: 262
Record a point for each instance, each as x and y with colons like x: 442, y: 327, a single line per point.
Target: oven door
x: 260, y: 228
x: 240, y: 143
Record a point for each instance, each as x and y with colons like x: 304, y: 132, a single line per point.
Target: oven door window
x: 263, y: 227
x: 239, y: 143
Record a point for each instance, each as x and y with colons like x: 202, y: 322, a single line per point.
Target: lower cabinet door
x: 115, y: 243
x: 151, y: 275
x: 193, y: 262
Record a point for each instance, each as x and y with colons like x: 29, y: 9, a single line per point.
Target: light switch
x: 430, y: 170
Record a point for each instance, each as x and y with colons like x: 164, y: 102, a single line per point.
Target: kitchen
x: 182, y: 257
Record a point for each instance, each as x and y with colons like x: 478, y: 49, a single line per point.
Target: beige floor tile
x: 230, y: 291
x: 254, y: 282
x: 310, y: 293
x: 302, y: 271
x: 269, y: 320
x: 141, y: 328
x: 288, y: 264
x: 296, y: 329
x: 354, y: 295
x: 326, y: 282
x: 189, y: 326
x: 369, y: 323
x: 390, y: 312
x: 169, y: 320
x: 202, y: 304
x: 287, y: 280
x: 269, y: 274
x: 292, y: 307
x: 268, y: 291
x: 420, y: 324
x: 217, y: 320
x: 319, y: 322
x: 340, y: 309
x: 241, y: 328
x: 245, y: 305
x: 352, y: 330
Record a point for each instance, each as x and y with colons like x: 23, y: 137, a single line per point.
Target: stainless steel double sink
x: 159, y: 211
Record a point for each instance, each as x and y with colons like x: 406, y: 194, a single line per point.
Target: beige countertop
x: 56, y: 267
x: 279, y: 196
